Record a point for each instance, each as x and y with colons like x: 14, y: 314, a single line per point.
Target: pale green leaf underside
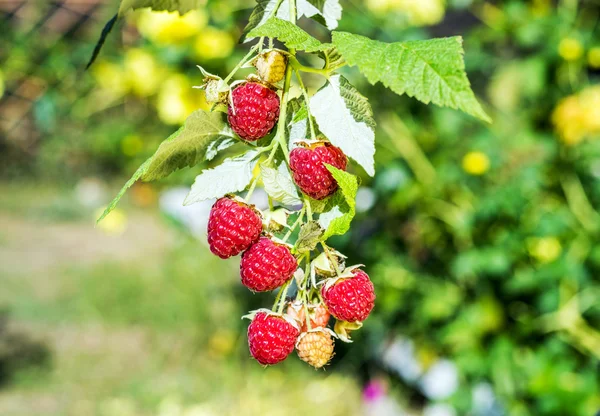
x: 279, y: 185
x: 291, y: 35
x: 329, y: 10
x: 233, y: 175
x: 346, y: 118
x: 181, y: 6
x: 429, y: 70
x: 326, y: 12
x: 189, y: 145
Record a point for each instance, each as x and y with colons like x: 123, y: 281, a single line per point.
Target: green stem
x: 277, y: 298
x: 306, y: 280
x: 283, y: 295
x: 252, y: 187
x: 299, y: 67
x: 273, y: 148
x: 308, y: 325
x: 274, y: 145
x: 293, y: 11
x: 306, y: 100
x: 308, y: 209
x: 280, y: 135
x: 244, y: 60
x: 276, y: 8
x: 293, y: 227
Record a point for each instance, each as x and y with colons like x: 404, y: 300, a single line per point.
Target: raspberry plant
x: 298, y: 147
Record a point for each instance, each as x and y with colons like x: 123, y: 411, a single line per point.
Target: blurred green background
x: 482, y: 240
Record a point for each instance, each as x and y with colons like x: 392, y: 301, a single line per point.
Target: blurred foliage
x: 483, y: 243
x: 483, y: 240
x: 18, y: 350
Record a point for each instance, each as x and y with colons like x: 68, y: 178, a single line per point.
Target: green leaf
x: 233, y: 175
x: 332, y: 57
x: 323, y: 205
x: 181, y: 6
x: 429, y: 70
x: 309, y: 236
x: 346, y: 118
x: 301, y: 114
x: 137, y: 175
x: 342, y: 206
x: 261, y: 13
x: 279, y: 185
x: 189, y: 145
x: 291, y: 35
x: 202, y: 136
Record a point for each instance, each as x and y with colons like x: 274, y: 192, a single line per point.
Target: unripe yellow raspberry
x: 271, y: 66
x: 315, y: 347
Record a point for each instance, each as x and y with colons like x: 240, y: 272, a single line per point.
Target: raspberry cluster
x: 319, y: 285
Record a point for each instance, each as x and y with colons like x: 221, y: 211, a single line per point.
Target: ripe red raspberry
x: 271, y: 338
x: 232, y: 227
x: 310, y: 174
x: 256, y: 111
x: 266, y: 265
x: 350, y: 299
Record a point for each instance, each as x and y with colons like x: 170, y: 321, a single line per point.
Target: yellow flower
x: 177, y: 99
x: 577, y: 117
x: 545, y: 249
x: 570, y: 49
x: 476, y: 163
x: 114, y: 223
x: 171, y: 28
x: 593, y: 57
x: 379, y: 6
x: 540, y: 8
x: 221, y: 343
x: 1, y: 84
x: 144, y: 74
x: 110, y: 77
x: 213, y: 44
x: 418, y: 12
x: 131, y: 145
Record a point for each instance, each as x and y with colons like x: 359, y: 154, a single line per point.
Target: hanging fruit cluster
x: 301, y: 145
x: 323, y: 286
